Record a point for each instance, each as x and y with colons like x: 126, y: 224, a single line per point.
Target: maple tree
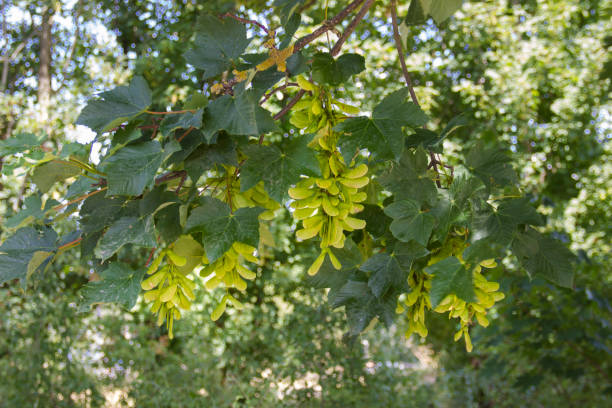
x: 397, y: 227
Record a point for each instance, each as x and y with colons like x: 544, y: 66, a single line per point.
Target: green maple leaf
x: 218, y: 44
x: 287, y: 9
x: 19, y: 143
x: 327, y: 70
x: 48, y: 173
x: 207, y: 156
x: 439, y: 10
x: 278, y: 169
x: 126, y: 230
x: 116, y: 106
x: 409, y: 222
x: 385, y: 272
x: 466, y: 188
x: 119, y: 284
x: 500, y: 224
x: 21, y: 254
x: 99, y: 211
x: 181, y: 121
x: 33, y: 210
x: 409, y: 180
x: 543, y: 256
x: 132, y: 168
x: 237, y: 115
x: 382, y: 134
x: 491, y: 165
x: 221, y: 228
x: 450, y: 277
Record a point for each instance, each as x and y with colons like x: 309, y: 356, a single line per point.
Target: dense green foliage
x: 451, y: 218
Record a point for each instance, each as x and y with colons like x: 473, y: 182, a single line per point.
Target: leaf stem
x: 76, y: 200
x: 70, y: 244
x: 86, y: 167
x: 171, y: 175
x: 170, y: 112
x: 185, y: 134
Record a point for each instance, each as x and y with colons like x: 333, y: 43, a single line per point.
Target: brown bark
x: 44, y: 68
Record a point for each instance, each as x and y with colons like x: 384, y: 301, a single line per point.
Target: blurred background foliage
x: 534, y: 75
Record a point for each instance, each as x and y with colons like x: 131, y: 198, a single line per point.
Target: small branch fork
x: 328, y: 25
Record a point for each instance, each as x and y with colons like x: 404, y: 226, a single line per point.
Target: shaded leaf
x: 99, y: 211
x: 450, y: 277
x: 543, y: 256
x: 439, y: 10
x: 168, y: 223
x: 492, y: 165
x: 218, y: 43
x: 327, y: 70
x: 382, y: 134
x: 181, y: 121
x: 207, y: 156
x: 237, y: 115
x: 409, y: 222
x: 221, y: 228
x: 385, y: 272
x: 409, y: 180
x: 407, y: 253
x: 376, y: 220
x: 278, y: 169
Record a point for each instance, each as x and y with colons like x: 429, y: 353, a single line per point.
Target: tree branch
x: 326, y: 26
x: 400, y: 52
x: 245, y: 21
x: 336, y: 49
x: 351, y: 27
x: 290, y: 105
x: 273, y: 91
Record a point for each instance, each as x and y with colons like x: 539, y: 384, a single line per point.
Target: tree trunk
x: 44, y: 69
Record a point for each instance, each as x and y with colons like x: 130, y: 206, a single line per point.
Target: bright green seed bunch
x: 416, y: 302
x: 487, y: 293
x: 310, y: 112
x: 227, y: 188
x: 325, y: 205
x: 229, y: 271
x: 168, y: 289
